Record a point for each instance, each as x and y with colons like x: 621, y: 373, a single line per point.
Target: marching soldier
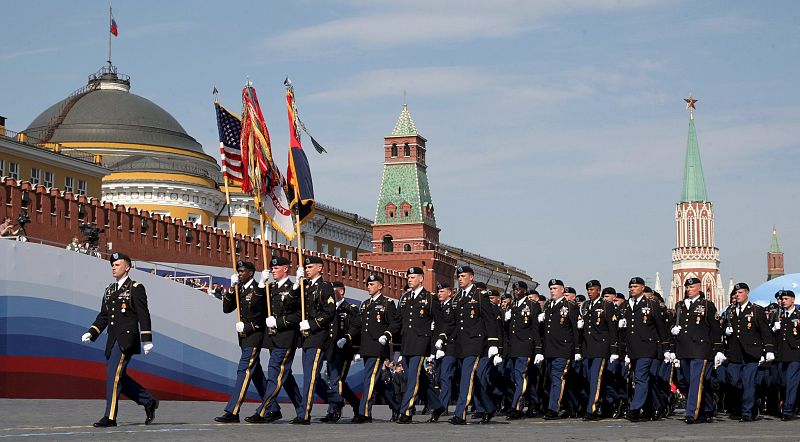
x: 281, y: 339
x: 562, y: 343
x: 416, y: 315
x: 378, y: 322
x: 599, y: 323
x: 786, y: 325
x: 124, y: 311
x: 252, y: 305
x: 340, y: 356
x: 698, y: 337
x: 475, y: 336
x: 522, y: 341
x: 646, y: 337
x: 749, y: 339
x: 444, y: 354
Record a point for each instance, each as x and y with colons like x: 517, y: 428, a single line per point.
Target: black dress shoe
x: 150, y: 411
x: 514, y: 415
x: 592, y: 417
x: 746, y: 418
x: 403, y: 419
x: 735, y: 417
x: 634, y: 415
x: 105, y: 422
x: 395, y: 415
x: 457, y: 420
x: 272, y: 417
x: 487, y: 418
x: 300, y: 421
x: 256, y: 419
x: 689, y: 420
x: 332, y: 418
x: 550, y: 415
x: 360, y: 419
x: 228, y: 418
x: 787, y: 417
x: 436, y: 414
x: 477, y: 415
x: 531, y: 413
x: 425, y: 410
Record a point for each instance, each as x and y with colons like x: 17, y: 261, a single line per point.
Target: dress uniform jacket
x: 646, y: 335
x: 375, y: 319
x: 341, y: 325
x: 700, y: 336
x: 320, y: 310
x: 600, y: 329
x: 443, y: 325
x: 752, y: 335
x: 124, y: 311
x: 286, y: 310
x: 788, y: 337
x: 416, y: 314
x: 562, y: 337
x: 253, y: 303
x: 523, y: 339
x: 476, y: 326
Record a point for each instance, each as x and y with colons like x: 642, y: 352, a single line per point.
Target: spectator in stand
x: 75, y: 245
x: 9, y: 228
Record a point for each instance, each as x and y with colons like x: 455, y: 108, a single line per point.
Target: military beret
x: 117, y: 256
x: 580, y: 298
x: 246, y: 264
x: 635, y: 280
x: 443, y: 285
x: 337, y: 284
x: 658, y: 296
x: 741, y: 286
x: 414, y: 271
x: 278, y: 261
x: 691, y: 281
x: 533, y: 292
x: 505, y: 296
x: 312, y: 260
x: 520, y: 285
x: 480, y: 285
x: 609, y: 291
x: 620, y: 296
x: 593, y: 283
x: 464, y: 269
x: 493, y: 292
x: 374, y: 277
x: 774, y: 306
x: 648, y: 289
x: 555, y: 282
x: 570, y: 290
x: 788, y: 293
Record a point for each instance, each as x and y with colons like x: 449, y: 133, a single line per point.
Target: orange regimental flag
x: 298, y: 175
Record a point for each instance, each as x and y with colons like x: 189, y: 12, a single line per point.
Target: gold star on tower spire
x: 690, y: 101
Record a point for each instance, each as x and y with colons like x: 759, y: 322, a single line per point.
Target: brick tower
x: 774, y: 258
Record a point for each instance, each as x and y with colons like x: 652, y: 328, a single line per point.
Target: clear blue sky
x: 556, y: 129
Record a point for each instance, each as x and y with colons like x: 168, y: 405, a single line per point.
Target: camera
x: 91, y: 234
x: 23, y: 219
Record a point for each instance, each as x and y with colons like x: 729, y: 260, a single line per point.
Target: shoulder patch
x: 613, y: 317
x: 330, y: 300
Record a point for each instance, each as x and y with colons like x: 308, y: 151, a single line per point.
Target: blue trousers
x: 373, y: 384
x: 447, y: 371
x: 642, y: 381
x: 118, y: 382
x: 279, y: 375
x: 697, y: 372
x: 558, y: 369
x: 417, y: 380
x: 594, y: 370
x: 249, y: 369
x: 535, y: 378
x: 312, y: 365
x: 744, y: 372
x: 338, y: 389
x: 790, y: 374
x: 483, y: 399
x: 520, y: 382
x: 469, y: 369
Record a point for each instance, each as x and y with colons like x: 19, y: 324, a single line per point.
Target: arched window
x: 387, y: 243
x: 394, y: 150
x: 407, y: 150
x: 407, y: 248
x: 690, y: 231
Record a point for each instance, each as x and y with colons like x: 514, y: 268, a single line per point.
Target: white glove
x: 356, y: 357
x: 497, y: 360
x: 271, y: 322
x: 776, y: 326
x: 538, y: 359
x: 234, y: 279
x: 439, y: 354
x: 383, y: 340
x: 676, y: 363
x: 578, y: 357
x: 148, y: 347
x: 508, y: 315
x: 770, y: 356
x: 580, y: 323
x: 493, y: 351
x: 622, y: 323
x: 673, y: 357
x: 540, y: 318
x: 433, y: 325
x: 627, y: 359
x: 340, y: 343
x: 719, y: 359
x: 300, y: 272
x: 667, y: 357
x: 676, y: 330
x: 728, y: 331
x: 761, y: 361
x: 399, y: 359
x: 439, y: 344
x: 262, y: 282
x: 304, y: 325
x: 86, y: 337
x: 240, y: 326
x: 613, y: 358
x: 430, y: 358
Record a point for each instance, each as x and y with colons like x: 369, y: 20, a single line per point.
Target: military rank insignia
x: 421, y: 312
x: 646, y: 312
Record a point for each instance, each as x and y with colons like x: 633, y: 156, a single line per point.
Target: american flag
x: 230, y: 149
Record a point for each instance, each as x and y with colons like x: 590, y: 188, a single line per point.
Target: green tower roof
x: 774, y: 247
x: 405, y: 126
x: 694, y: 183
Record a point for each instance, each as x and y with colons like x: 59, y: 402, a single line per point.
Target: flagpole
x: 110, y: 19
x: 300, y: 261
x: 232, y: 228
x: 260, y: 205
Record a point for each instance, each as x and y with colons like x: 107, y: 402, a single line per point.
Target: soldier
x: 749, y: 339
x: 786, y: 325
x: 646, y: 337
x: 378, y: 323
x: 697, y: 337
x: 489, y: 381
x: 340, y: 356
x: 444, y: 353
x: 599, y: 323
x: 475, y: 337
x: 416, y: 315
x: 320, y: 308
x: 523, y: 340
x: 250, y: 328
x: 281, y: 339
x: 124, y: 311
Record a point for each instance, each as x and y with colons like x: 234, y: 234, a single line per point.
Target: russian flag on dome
x: 114, y: 29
